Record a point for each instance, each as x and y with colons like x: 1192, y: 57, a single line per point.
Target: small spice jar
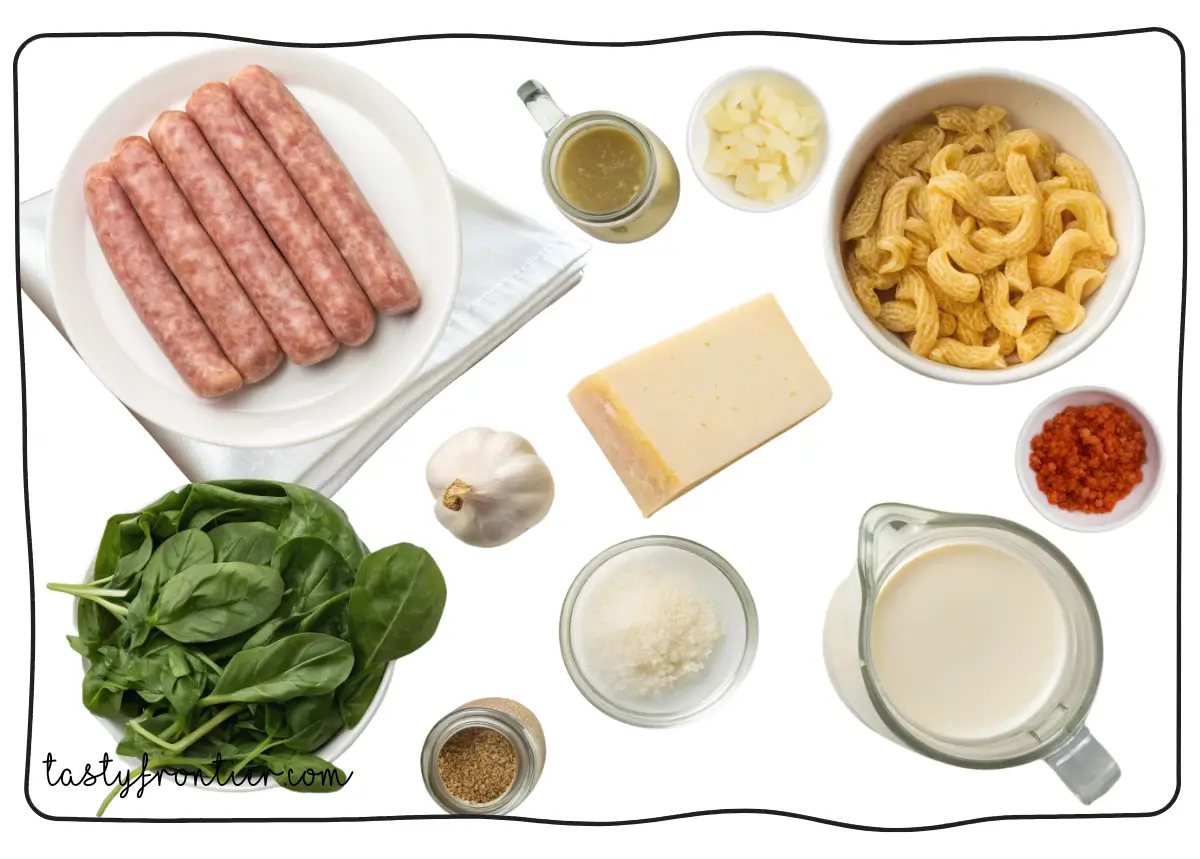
x: 485, y: 757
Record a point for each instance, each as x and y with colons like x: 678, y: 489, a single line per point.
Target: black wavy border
x: 663, y: 41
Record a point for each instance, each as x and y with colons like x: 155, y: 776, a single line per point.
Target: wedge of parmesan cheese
x: 673, y: 415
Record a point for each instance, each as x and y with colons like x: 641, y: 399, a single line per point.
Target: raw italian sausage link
x: 194, y: 259
x: 240, y: 238
x: 153, y: 291
x: 282, y: 210
x: 329, y: 188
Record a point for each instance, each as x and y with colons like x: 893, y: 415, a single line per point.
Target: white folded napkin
x: 512, y: 268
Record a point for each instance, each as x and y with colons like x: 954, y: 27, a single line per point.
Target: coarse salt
x: 647, y: 629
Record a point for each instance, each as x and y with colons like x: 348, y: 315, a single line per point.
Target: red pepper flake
x: 1087, y: 458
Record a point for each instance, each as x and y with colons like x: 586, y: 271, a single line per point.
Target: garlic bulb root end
x: 456, y: 493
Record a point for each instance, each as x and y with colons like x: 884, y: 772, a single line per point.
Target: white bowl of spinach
x: 239, y: 630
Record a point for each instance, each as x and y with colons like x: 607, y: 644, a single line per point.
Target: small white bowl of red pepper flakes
x: 1089, y: 459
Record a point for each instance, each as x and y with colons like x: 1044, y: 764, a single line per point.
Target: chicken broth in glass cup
x: 609, y: 175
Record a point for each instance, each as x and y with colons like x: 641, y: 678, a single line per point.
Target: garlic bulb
x: 490, y: 486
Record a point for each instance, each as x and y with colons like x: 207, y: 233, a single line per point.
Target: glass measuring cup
x: 640, y: 216
x: 893, y: 535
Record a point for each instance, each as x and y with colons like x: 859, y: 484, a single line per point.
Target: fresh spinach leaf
x: 354, y: 697
x: 134, y: 745
x: 135, y: 534
x: 127, y: 534
x: 209, y: 602
x: 330, y: 617
x: 267, y: 633
x: 220, y: 651
x: 166, y: 525
x: 102, y: 694
x: 313, y: 515
x: 312, y: 721
x: 307, y: 663
x: 274, y: 718
x: 396, y: 604
x: 251, y: 542
x: 178, y: 552
x: 168, y: 673
x: 81, y: 646
x: 95, y: 624
x: 210, y: 504
x: 313, y: 572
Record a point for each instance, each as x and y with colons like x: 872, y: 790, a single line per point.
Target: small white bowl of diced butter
x: 757, y: 139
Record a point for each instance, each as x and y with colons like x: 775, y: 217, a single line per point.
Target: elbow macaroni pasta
x: 913, y: 287
x: 1035, y: 339
x: 951, y: 236
x: 1050, y: 269
x: 900, y: 317
x: 974, y: 357
x: 1020, y: 240
x: 897, y: 158
x: 994, y: 183
x: 991, y: 237
x: 1082, y: 282
x: 893, y: 213
x: 1016, y: 270
x: 1010, y: 320
x: 1076, y: 173
x: 1065, y: 312
x: 933, y: 138
x: 865, y: 208
x: 958, y: 285
x: 1087, y: 209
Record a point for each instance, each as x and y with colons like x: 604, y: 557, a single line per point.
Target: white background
x: 785, y: 517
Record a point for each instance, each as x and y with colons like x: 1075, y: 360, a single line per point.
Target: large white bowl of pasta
x: 984, y: 227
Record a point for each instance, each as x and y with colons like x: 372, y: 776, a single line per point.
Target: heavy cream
x: 968, y: 641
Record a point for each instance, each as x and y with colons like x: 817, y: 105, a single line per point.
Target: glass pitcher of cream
x: 611, y: 176
x: 970, y: 640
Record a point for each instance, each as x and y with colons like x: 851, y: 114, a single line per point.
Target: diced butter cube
x: 755, y: 132
x: 731, y: 139
x: 715, y: 163
x: 778, y: 141
x: 766, y: 92
x: 771, y: 105
x: 805, y: 126
x: 747, y: 149
x: 788, y: 118
x: 777, y: 189
x: 718, y: 119
x: 671, y: 416
x: 745, y: 180
x: 795, y: 166
x: 768, y: 171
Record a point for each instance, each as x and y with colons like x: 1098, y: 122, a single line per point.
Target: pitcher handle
x: 1085, y: 767
x: 540, y: 105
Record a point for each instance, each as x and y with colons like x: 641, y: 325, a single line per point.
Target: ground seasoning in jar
x: 484, y: 757
x: 477, y: 765
x: 1087, y: 458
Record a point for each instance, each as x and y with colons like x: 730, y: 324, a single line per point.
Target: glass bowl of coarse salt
x: 656, y: 630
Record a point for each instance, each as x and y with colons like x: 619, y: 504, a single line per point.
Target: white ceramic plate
x: 1129, y: 507
x: 398, y: 168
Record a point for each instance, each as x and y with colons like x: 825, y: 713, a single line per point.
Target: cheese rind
x: 671, y: 416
